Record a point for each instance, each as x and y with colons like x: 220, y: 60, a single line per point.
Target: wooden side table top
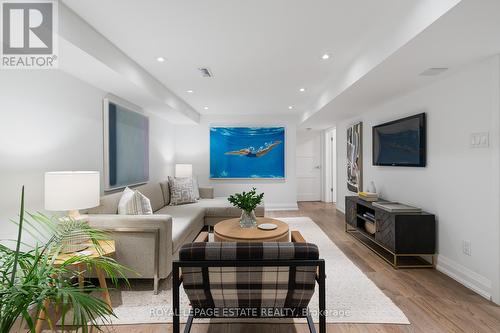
x: 230, y: 231
x: 108, y: 248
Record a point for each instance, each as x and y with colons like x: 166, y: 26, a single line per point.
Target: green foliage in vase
x: 29, y: 276
x: 246, y: 201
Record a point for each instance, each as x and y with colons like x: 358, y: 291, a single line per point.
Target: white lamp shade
x: 71, y: 190
x: 183, y: 170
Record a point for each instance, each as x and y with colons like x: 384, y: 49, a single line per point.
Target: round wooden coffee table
x: 230, y: 231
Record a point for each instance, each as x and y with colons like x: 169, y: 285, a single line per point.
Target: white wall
x: 192, y: 146
x: 459, y: 184
x: 51, y: 121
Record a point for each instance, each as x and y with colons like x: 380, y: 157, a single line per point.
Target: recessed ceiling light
x: 290, y: 107
x: 325, y: 56
x: 160, y: 59
x: 205, y: 107
x: 302, y: 89
x: 434, y: 71
x: 190, y: 91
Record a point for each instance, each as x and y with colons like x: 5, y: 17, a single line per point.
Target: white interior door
x: 308, y: 167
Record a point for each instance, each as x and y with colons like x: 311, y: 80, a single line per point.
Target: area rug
x: 351, y: 297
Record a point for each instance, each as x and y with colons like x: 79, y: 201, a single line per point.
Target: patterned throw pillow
x: 181, y: 191
x: 134, y: 203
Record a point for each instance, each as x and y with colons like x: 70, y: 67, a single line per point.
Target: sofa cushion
x: 206, y: 192
x: 154, y: 193
x: 108, y: 204
x: 186, y: 220
x: 220, y: 207
x: 166, y: 192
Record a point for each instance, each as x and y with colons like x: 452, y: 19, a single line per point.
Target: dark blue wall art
x: 126, y: 146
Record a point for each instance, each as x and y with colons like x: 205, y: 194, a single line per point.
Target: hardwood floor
x: 432, y: 301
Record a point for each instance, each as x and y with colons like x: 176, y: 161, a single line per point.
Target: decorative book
x: 396, y: 207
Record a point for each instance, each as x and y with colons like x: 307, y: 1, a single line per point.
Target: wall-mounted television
x: 401, y: 142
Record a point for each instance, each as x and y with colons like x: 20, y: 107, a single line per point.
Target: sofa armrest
x: 206, y: 192
x: 138, y: 238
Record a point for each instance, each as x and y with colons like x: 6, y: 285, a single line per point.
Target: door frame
x: 329, y: 161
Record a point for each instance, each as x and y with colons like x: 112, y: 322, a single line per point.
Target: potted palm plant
x: 29, y: 279
x: 247, y: 202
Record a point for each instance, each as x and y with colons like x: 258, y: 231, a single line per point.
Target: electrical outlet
x: 466, y: 247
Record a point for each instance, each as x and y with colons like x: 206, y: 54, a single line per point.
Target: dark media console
x: 404, y: 240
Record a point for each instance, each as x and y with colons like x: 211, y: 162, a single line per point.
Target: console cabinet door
x: 385, y: 229
x: 350, y: 212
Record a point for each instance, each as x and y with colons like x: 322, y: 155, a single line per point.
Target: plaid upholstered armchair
x: 250, y: 280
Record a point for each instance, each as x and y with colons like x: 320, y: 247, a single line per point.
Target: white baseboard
x: 465, y: 276
x: 340, y: 209
x: 284, y: 206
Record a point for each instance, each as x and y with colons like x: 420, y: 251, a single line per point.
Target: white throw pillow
x: 181, y: 191
x: 196, y: 189
x: 134, y: 202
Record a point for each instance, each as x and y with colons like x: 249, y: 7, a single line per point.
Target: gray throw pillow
x: 181, y: 191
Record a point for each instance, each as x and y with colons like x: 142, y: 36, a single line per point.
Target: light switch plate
x: 480, y: 140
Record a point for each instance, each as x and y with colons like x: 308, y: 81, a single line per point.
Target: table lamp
x: 70, y: 191
x: 183, y: 170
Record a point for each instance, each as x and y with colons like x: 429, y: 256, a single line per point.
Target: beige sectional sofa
x: 148, y: 243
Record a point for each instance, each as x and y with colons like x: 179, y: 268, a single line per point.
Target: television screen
x: 401, y: 142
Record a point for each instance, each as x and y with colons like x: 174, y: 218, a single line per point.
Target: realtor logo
x: 29, y: 34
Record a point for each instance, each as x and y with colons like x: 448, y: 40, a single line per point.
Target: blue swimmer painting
x: 247, y: 152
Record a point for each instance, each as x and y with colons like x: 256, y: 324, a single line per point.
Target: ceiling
x: 467, y: 33
x: 260, y: 52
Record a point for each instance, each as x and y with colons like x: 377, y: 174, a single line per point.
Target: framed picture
x: 126, y: 145
x: 247, y: 152
x: 355, y: 157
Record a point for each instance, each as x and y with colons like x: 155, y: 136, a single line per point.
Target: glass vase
x: 248, y: 219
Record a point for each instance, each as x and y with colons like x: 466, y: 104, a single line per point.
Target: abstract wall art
x: 126, y: 146
x: 355, y: 157
x: 247, y: 152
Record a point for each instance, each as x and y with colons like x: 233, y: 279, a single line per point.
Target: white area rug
x: 351, y: 297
